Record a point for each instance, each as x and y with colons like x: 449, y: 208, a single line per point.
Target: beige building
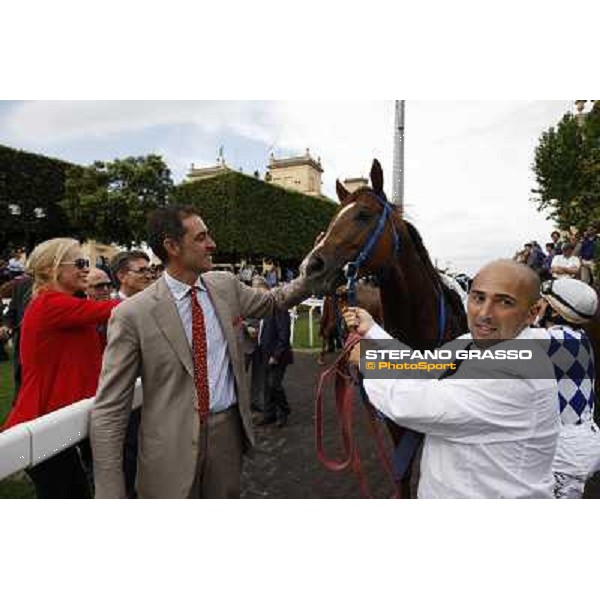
x: 354, y: 183
x: 301, y: 173
x: 198, y: 173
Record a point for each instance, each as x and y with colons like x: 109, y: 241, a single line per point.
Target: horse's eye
x: 363, y: 215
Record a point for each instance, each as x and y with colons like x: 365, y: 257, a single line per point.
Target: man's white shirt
x: 485, y: 438
x: 562, y: 261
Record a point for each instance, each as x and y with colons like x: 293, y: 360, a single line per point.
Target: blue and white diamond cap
x: 574, y: 300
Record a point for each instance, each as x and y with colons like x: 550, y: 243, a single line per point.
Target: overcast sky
x: 467, y: 164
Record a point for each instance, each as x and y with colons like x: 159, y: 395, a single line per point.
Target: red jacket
x: 61, y: 354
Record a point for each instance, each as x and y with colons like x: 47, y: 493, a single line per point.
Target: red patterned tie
x: 199, y: 351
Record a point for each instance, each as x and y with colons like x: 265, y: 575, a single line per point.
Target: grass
x: 6, y: 387
x: 18, y: 485
x: 301, y: 330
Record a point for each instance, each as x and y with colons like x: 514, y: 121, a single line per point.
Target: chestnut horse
x: 369, y: 236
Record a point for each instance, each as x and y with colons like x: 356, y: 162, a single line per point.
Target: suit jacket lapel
x: 221, y: 304
x: 169, y: 322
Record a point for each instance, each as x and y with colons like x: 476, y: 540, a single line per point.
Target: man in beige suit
x: 185, y: 451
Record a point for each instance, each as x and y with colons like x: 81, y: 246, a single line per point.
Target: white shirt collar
x: 179, y: 289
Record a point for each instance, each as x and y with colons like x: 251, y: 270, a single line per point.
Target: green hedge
x: 251, y: 218
x: 31, y: 181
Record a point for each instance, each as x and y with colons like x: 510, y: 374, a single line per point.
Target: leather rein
x: 348, y: 382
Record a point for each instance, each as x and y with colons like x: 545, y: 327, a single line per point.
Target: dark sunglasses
x: 80, y: 263
x: 103, y: 285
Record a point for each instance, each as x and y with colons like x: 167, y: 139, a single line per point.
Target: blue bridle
x: 405, y: 451
x: 351, y: 269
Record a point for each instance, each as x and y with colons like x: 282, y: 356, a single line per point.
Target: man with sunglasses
x: 132, y: 272
x: 99, y: 285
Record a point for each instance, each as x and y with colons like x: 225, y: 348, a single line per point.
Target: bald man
x: 99, y: 285
x: 486, y: 437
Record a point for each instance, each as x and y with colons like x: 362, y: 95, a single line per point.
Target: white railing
x: 31, y: 443
x: 312, y: 303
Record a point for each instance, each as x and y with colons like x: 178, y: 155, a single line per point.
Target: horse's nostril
x: 314, y: 265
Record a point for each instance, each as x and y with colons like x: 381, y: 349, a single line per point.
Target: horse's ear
x: 377, y: 177
x: 342, y: 192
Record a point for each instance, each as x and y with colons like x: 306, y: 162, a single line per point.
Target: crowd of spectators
x: 574, y: 255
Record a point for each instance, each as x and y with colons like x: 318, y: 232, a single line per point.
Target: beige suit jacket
x: 146, y: 339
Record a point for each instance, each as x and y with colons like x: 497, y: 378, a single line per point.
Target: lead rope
x: 346, y: 380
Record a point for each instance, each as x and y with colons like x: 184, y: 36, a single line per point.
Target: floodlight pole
x: 398, y: 173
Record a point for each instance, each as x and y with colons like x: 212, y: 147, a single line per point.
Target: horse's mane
x: 416, y: 239
x: 453, y: 299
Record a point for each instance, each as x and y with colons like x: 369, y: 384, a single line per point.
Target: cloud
x: 468, y: 164
x: 57, y: 121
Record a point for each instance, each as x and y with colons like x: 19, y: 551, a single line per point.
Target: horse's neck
x: 408, y: 296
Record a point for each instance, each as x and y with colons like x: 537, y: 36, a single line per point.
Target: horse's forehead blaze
x: 335, y: 221
x: 343, y: 212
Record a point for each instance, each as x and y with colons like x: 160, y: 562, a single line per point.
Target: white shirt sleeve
x: 473, y: 411
x: 466, y: 410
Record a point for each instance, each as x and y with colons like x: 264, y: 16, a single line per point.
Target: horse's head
x: 365, y: 229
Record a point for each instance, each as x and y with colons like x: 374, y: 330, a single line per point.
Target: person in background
x: 99, y: 285
x: 276, y: 354
x: 558, y: 244
x: 587, y: 254
x: 131, y: 272
x: 255, y: 360
x: 550, y: 254
x: 536, y: 258
x: 522, y: 256
x: 157, y: 270
x: 270, y: 274
x: 566, y: 264
x: 568, y: 304
x: 15, y: 265
x: 61, y: 356
x: 13, y: 318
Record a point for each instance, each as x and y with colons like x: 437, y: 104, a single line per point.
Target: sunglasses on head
x: 80, y: 263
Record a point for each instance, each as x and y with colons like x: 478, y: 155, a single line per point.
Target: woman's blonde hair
x: 44, y: 260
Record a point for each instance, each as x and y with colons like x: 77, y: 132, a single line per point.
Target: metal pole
x: 398, y: 174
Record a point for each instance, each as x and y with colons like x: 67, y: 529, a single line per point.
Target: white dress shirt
x: 485, y: 438
x: 221, y: 383
x: 562, y: 261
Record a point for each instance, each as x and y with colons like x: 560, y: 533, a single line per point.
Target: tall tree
x: 567, y: 170
x: 109, y: 201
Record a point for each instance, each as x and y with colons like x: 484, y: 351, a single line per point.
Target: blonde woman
x: 61, y: 355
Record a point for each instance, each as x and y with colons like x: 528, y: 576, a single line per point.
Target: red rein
x: 346, y: 388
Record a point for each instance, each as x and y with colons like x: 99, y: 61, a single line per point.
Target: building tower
x: 300, y: 173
